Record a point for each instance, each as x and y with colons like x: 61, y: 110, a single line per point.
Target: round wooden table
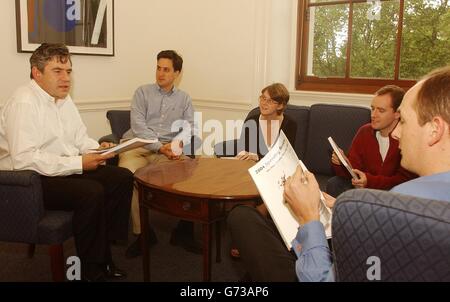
x: 198, y: 190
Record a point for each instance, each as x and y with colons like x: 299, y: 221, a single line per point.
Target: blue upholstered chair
x: 409, y: 236
x: 314, y: 125
x: 338, y: 121
x: 24, y: 219
x: 300, y: 114
x: 119, y: 121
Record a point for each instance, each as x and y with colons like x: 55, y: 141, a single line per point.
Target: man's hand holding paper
x: 335, y: 158
x: 361, y: 182
x: 339, y: 158
x: 106, y: 145
x: 302, y: 193
x: 91, y: 161
x: 329, y: 200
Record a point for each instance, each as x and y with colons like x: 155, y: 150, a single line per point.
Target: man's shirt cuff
x: 309, y: 236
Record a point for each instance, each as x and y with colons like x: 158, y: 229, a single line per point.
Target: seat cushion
x: 55, y: 227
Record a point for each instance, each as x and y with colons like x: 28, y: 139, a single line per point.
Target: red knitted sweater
x: 365, y: 155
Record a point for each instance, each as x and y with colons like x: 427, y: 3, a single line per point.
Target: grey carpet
x: 167, y: 263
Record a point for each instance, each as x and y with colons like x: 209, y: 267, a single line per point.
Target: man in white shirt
x: 41, y: 130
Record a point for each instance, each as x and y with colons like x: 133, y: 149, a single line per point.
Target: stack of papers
x: 125, y: 146
x: 270, y: 175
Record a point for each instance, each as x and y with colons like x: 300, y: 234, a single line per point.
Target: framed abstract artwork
x: 85, y: 26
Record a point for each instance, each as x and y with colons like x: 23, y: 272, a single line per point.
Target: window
x: 361, y: 45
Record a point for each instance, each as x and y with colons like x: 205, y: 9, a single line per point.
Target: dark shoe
x: 92, y: 273
x: 246, y: 278
x: 134, y: 250
x: 113, y: 272
x: 100, y: 277
x: 119, y: 242
x: 186, y: 242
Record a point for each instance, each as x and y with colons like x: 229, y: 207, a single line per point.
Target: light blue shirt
x: 313, y: 254
x: 436, y: 186
x: 161, y: 115
x: 314, y: 259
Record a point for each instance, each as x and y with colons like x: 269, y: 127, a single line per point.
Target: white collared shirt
x: 37, y: 133
x: 383, y: 142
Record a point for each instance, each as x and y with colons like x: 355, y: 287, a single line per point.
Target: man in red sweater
x: 374, y: 154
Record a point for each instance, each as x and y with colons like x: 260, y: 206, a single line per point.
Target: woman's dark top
x: 252, y: 139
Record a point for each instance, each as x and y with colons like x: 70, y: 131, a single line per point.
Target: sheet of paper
x: 125, y: 146
x: 344, y: 162
x: 269, y: 175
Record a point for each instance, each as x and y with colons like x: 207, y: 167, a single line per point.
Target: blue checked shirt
x: 314, y: 260
x: 166, y: 116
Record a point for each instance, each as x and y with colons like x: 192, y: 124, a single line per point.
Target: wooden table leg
x: 218, y: 241
x: 57, y: 262
x: 206, y: 252
x: 144, y: 236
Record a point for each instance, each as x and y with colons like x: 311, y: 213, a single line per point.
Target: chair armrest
x: 21, y: 205
x: 408, y: 234
x: 18, y: 178
x: 226, y: 148
x: 111, y: 138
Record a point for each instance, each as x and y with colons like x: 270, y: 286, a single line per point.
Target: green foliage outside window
x: 424, y: 42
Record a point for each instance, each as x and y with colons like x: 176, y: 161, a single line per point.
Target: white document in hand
x: 346, y: 164
x: 270, y: 175
x: 325, y: 212
x: 126, y: 146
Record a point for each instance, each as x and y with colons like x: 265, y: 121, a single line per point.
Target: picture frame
x: 85, y: 26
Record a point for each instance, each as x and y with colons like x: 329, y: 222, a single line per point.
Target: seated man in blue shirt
x: 424, y: 129
x: 163, y: 112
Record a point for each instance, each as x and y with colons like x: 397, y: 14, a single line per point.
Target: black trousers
x: 337, y: 185
x: 261, y: 247
x: 100, y: 201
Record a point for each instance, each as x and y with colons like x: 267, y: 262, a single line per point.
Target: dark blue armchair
x: 24, y: 219
x: 409, y: 236
x: 120, y: 123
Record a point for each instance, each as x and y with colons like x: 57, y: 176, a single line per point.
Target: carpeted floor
x: 168, y: 263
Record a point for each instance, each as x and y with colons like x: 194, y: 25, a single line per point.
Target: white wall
x: 231, y: 49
